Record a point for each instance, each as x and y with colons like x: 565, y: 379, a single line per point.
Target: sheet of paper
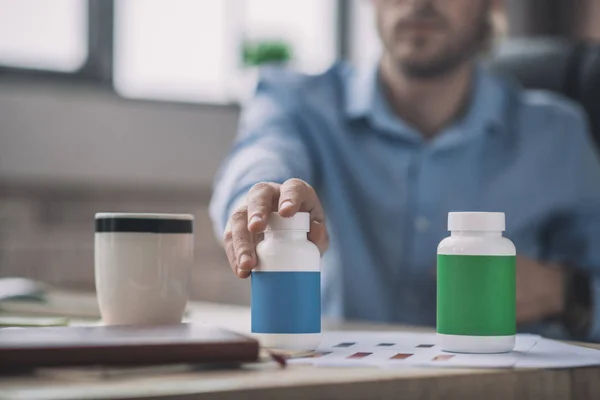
x: 553, y: 354
x: 368, y: 348
x: 400, y: 350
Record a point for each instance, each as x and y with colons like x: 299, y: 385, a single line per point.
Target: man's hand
x: 540, y: 291
x: 247, y: 224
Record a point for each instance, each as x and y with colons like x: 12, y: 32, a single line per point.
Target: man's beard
x: 449, y: 61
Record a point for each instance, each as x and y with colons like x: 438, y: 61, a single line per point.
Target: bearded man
x: 378, y: 157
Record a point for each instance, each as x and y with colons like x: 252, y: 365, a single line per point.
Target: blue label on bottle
x: 286, y: 302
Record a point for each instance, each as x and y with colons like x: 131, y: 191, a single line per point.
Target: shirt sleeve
x: 270, y: 147
x: 579, y: 242
x: 588, y: 223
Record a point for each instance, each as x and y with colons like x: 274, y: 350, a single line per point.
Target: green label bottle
x: 476, y: 285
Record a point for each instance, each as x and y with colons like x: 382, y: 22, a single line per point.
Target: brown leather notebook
x: 123, y: 345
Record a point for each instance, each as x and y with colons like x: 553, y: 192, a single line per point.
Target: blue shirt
x: 387, y: 191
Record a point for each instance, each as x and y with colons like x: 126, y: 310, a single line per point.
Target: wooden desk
x: 266, y: 381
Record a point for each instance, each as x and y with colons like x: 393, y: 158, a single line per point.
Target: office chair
x: 566, y: 66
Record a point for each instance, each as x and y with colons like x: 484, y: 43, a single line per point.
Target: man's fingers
x: 243, y: 245
x: 260, y: 200
x: 243, y: 274
x: 292, y: 196
x: 246, y: 225
x: 231, y: 258
x: 297, y: 195
x: 228, y: 244
x: 319, y: 236
x: 230, y: 252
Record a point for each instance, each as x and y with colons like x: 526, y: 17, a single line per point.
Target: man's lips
x: 421, y: 26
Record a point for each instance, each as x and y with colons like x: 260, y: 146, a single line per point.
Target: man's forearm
x: 578, y: 315
x: 572, y: 299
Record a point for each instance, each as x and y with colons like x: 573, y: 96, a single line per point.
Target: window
x: 172, y: 50
x: 364, y: 40
x: 191, y: 50
x: 308, y: 26
x: 42, y: 34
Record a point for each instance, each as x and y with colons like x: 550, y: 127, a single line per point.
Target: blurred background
x: 130, y: 105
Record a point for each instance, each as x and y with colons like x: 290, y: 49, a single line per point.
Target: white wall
x: 84, y: 135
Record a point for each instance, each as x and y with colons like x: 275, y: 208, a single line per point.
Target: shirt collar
x: 487, y: 109
x: 365, y: 99
x: 360, y: 90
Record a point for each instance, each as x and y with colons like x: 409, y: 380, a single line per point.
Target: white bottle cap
x: 299, y: 222
x: 476, y: 221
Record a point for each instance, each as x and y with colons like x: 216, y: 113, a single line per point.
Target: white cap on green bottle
x: 476, y: 221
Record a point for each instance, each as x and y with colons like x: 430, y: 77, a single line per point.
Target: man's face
x: 427, y: 38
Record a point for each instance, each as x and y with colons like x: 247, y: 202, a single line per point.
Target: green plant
x: 266, y: 51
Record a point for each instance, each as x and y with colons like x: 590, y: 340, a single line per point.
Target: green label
x: 476, y: 295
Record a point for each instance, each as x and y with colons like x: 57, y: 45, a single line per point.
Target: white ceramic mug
x: 143, y: 265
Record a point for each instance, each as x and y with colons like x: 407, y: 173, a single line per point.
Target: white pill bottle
x: 286, y: 286
x: 476, y: 285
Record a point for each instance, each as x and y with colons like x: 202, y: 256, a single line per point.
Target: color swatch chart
x: 397, y: 350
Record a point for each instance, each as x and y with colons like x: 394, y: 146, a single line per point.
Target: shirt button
x: 421, y: 224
